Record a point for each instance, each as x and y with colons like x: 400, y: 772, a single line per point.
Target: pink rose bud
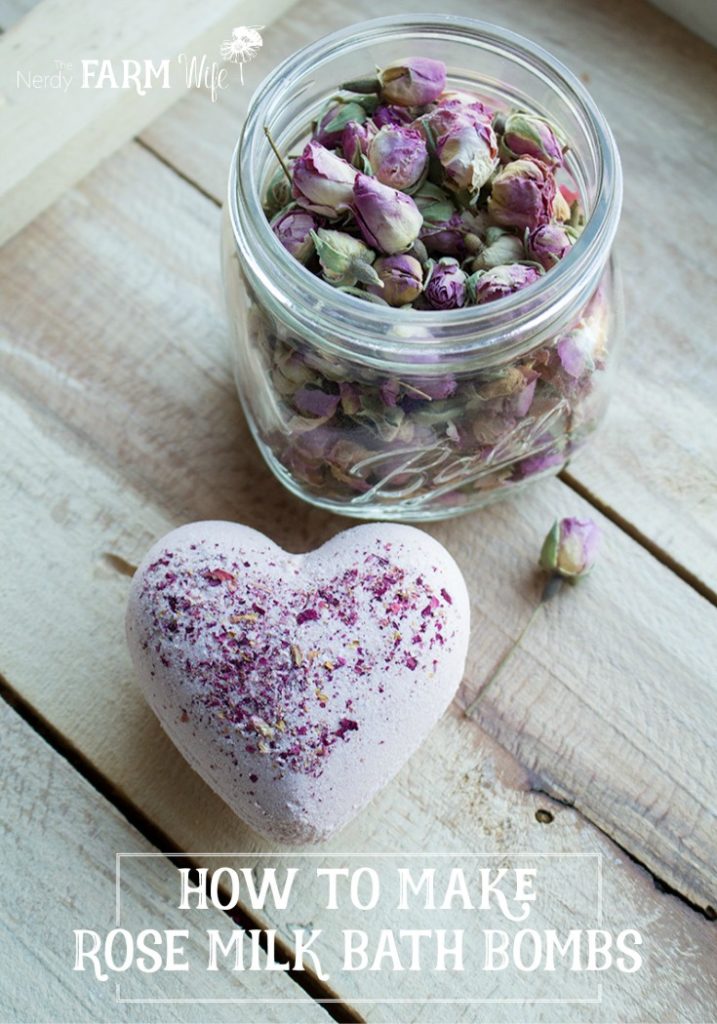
x: 530, y: 135
x: 322, y: 181
x: 413, y: 83
x: 446, y: 286
x: 571, y: 548
x: 522, y: 194
x: 345, y: 260
x: 468, y: 155
x: 450, y: 117
x: 444, y: 236
x: 388, y: 219
x: 561, y: 208
x: 398, y: 156
x: 355, y: 140
x: 547, y: 244
x: 293, y: 229
x: 386, y: 114
x: 500, y: 248
x: 455, y: 99
x: 402, y: 278
x: 490, y: 285
x: 332, y: 122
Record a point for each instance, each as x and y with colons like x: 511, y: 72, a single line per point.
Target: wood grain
x: 460, y: 792
x: 53, y: 136
x: 119, y: 411
x: 654, y: 465
x: 11, y: 11
x: 59, y: 841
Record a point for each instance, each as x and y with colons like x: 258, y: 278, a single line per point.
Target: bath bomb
x: 298, y: 685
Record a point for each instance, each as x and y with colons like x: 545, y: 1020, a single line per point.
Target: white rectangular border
x: 350, y: 1001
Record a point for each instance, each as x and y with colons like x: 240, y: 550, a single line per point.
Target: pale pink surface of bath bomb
x: 298, y: 685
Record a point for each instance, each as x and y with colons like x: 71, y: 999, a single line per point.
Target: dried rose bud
x: 446, y: 285
x: 388, y: 219
x: 413, y: 83
x: 402, y: 278
x: 445, y: 229
x: 571, y: 547
x: 445, y: 120
x: 527, y: 134
x: 344, y: 259
x: 278, y: 193
x: 464, y: 102
x: 561, y: 207
x: 577, y: 353
x: 500, y: 248
x: 350, y: 397
x: 338, y: 113
x: 355, y: 140
x: 398, y: 156
x: 522, y: 194
x: 293, y: 229
x: 547, y: 244
x: 385, y: 114
x: 312, y: 401
x: 322, y: 181
x: 435, y: 389
x: 495, y: 284
x: 468, y: 156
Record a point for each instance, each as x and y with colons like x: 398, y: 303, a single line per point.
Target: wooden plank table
x: 119, y: 420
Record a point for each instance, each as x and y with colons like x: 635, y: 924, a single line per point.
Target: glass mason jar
x: 422, y: 414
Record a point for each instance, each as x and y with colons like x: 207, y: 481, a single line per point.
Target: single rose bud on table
x: 570, y: 548
x: 568, y: 554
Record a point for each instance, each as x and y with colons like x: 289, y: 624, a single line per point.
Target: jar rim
x: 378, y: 332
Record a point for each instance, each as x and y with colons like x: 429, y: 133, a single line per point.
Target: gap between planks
x: 307, y: 980
x: 638, y: 536
x: 657, y: 552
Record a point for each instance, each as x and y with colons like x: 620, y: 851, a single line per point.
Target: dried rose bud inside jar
x: 417, y: 267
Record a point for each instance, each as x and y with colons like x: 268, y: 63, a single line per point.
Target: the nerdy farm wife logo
x: 141, y: 75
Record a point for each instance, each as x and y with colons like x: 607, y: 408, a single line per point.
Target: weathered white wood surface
x: 11, y: 11
x: 52, y: 136
x: 118, y: 420
x: 127, y: 351
x: 461, y: 792
x: 59, y: 842
x: 654, y: 466
x: 121, y: 420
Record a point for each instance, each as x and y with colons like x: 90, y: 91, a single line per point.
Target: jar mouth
x: 379, y: 332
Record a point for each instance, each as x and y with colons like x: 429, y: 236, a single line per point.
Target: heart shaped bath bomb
x: 298, y: 685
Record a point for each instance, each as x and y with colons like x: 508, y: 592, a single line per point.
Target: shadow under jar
x: 428, y: 414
